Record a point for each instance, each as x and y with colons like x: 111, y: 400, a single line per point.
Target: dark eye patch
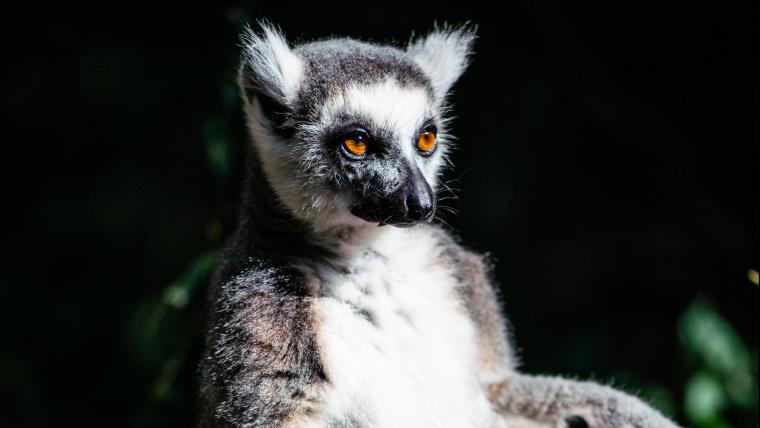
x: 378, y: 139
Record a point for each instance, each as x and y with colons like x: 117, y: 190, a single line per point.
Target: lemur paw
x: 574, y: 421
x: 614, y: 418
x: 625, y: 412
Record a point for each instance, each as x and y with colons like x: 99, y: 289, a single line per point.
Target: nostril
x: 429, y: 211
x: 420, y: 207
x: 415, y: 213
x: 426, y: 211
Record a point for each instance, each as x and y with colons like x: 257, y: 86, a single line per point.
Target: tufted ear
x: 443, y: 55
x: 269, y: 71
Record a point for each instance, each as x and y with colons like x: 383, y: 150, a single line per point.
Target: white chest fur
x: 396, y: 343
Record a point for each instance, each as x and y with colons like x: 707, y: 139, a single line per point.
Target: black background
x: 607, y: 160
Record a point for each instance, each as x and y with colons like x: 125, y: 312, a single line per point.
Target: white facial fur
x: 306, y: 197
x: 402, y: 110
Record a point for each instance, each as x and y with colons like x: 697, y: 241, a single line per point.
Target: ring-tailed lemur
x: 320, y: 318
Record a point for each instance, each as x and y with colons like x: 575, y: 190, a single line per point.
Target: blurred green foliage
x: 723, y: 370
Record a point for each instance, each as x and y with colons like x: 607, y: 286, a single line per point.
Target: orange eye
x: 355, y: 146
x: 426, y: 142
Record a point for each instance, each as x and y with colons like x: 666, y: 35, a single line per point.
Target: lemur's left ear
x: 443, y: 55
x: 269, y: 71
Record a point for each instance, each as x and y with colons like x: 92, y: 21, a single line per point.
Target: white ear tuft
x: 269, y: 68
x: 443, y: 55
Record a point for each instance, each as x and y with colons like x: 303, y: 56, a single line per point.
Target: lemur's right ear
x: 443, y: 55
x: 269, y: 71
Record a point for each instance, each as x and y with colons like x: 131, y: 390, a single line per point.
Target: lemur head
x: 352, y: 133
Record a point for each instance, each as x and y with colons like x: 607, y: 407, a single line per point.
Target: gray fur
x: 556, y: 400
x: 333, y: 64
x: 264, y: 364
x: 260, y: 359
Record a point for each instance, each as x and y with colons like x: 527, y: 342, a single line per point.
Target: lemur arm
x: 572, y: 404
x: 261, y: 366
x: 548, y: 401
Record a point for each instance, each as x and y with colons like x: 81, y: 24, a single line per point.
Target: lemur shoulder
x: 320, y: 318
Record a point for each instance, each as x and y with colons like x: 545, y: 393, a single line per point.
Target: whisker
x: 449, y: 210
x: 441, y: 220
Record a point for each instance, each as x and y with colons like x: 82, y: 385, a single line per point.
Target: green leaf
x: 178, y: 294
x: 704, y: 399
x: 158, y: 326
x: 708, y: 335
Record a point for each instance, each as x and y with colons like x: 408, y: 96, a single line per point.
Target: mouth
x: 391, y: 215
x: 399, y: 225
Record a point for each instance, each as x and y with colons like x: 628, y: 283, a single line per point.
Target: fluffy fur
x: 320, y: 318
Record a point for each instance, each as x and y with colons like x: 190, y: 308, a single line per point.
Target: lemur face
x: 350, y: 133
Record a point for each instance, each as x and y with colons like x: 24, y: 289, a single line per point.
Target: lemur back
x: 338, y: 302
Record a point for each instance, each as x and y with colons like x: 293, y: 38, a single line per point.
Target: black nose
x: 413, y: 202
x: 420, y: 199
